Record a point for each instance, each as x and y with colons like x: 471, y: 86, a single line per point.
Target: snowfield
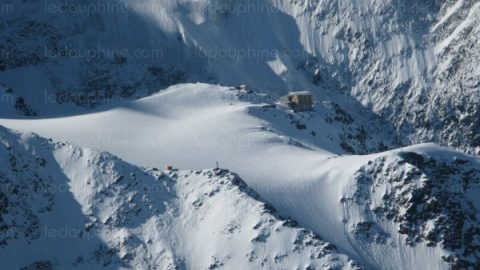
x: 67, y: 207
x: 412, y: 63
x: 118, y: 90
x: 307, y: 178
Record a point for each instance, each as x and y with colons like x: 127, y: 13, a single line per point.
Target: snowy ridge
x: 305, y: 177
x: 413, y: 63
x: 208, y: 114
x: 65, y: 207
x: 418, y: 198
x: 383, y: 73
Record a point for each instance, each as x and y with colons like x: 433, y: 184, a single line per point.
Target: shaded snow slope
x: 303, y: 176
x: 414, y: 63
x: 69, y: 207
x: 201, y: 118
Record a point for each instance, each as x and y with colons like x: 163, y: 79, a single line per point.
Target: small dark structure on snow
x: 299, y: 101
x: 244, y: 89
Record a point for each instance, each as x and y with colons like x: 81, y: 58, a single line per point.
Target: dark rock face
x: 23, y: 195
x: 370, y: 232
x: 439, y: 100
x: 40, y: 265
x: 24, y: 108
x: 100, y: 71
x: 23, y: 42
x: 430, y: 200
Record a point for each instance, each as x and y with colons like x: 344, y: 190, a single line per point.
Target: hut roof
x: 300, y: 93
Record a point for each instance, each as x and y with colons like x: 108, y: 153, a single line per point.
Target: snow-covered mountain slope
x: 85, y: 53
x: 419, y: 196
x: 413, y: 208
x: 413, y: 63
x: 384, y: 73
x: 379, y: 209
x: 457, y: 47
x: 69, y: 207
x: 194, y: 117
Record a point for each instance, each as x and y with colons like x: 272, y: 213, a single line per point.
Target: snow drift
x: 381, y: 210
x: 68, y: 207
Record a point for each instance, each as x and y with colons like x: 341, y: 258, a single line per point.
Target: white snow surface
x: 66, y: 207
x: 193, y: 126
x: 405, y: 60
x: 394, y: 58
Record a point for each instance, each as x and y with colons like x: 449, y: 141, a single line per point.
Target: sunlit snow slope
x: 303, y: 176
x: 66, y: 207
x: 414, y: 63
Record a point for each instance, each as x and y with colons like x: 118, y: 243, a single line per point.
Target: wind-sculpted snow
x: 105, y: 75
x: 68, y: 207
x: 428, y: 199
x: 413, y: 63
x: 295, y: 161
